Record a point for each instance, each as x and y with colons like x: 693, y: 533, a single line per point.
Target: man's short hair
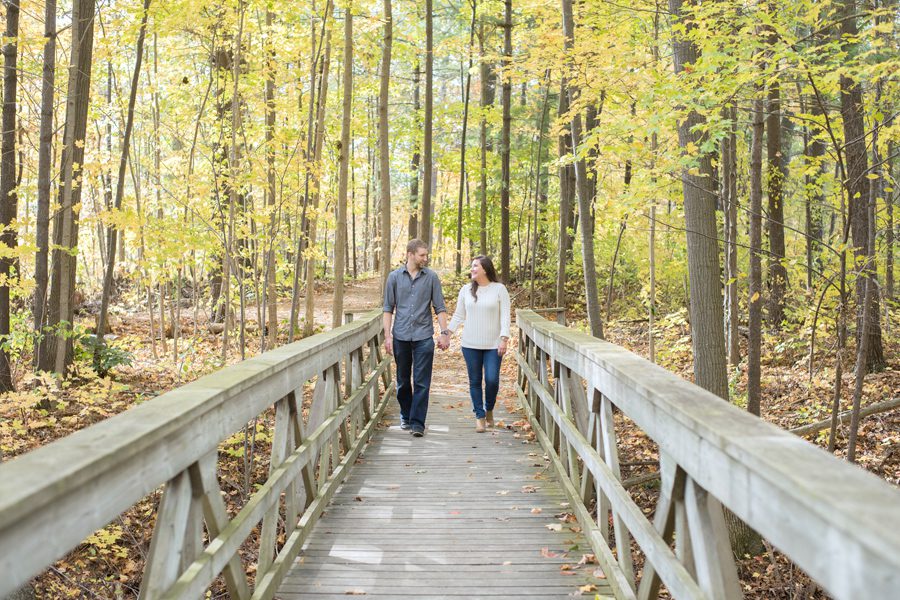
x: 414, y: 244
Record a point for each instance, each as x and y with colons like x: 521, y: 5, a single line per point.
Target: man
x: 411, y: 292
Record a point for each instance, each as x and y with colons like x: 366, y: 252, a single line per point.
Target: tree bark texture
x: 384, y: 157
x: 592, y: 298
x: 59, y: 351
x: 45, y: 176
x: 309, y: 308
x: 337, y: 309
x: 427, y: 159
x: 857, y: 185
x: 707, y: 330
x: 777, y: 275
x: 271, y: 291
x: 9, y: 198
x: 755, y: 300
x: 566, y: 200
x: 505, y: 101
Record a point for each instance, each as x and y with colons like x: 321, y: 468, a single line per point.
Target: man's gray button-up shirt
x: 411, y: 301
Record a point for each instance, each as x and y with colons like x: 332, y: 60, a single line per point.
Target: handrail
x: 54, y: 497
x: 837, y: 522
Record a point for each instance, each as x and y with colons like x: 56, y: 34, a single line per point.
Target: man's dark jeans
x: 414, y: 363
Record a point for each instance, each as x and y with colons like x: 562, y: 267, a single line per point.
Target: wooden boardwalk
x: 452, y: 514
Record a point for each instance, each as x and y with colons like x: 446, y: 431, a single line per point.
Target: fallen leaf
x: 358, y: 499
x: 599, y: 574
x: 548, y: 553
x: 536, y: 511
x: 355, y: 593
x: 502, y: 492
x: 590, y: 587
x: 529, y: 489
x: 554, y: 527
x: 587, y: 559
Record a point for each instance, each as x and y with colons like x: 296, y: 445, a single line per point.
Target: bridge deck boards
x: 452, y: 514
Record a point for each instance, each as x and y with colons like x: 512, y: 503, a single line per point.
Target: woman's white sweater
x: 487, y: 320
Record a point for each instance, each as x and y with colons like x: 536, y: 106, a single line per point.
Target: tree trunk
x: 428, y: 174
x: 889, y: 230
x: 505, y: 101
x: 777, y: 275
x: 9, y: 197
x: 45, y: 176
x: 270, y: 338
x: 462, y: 143
x: 337, y: 310
x: 566, y: 200
x: 729, y: 170
x: 120, y: 186
x: 707, y: 331
x: 416, y: 157
x: 488, y: 83
x: 755, y: 300
x: 308, y: 315
x: 814, y: 150
x: 857, y: 186
x: 592, y: 299
x: 59, y: 350
x: 384, y: 158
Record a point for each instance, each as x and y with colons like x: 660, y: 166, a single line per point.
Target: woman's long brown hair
x: 488, y: 265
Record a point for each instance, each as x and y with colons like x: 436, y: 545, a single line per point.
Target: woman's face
x: 477, y: 271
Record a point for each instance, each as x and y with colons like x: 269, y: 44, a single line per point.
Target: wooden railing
x: 53, y: 498
x: 838, y: 523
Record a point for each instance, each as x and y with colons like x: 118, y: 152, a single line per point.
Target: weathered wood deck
x: 452, y: 514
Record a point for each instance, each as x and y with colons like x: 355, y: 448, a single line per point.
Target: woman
x: 483, y: 305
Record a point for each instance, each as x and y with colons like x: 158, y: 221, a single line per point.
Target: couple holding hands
x: 411, y: 293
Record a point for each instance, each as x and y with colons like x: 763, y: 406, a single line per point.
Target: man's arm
x: 437, y: 301
x: 390, y: 301
x: 387, y: 319
x: 445, y: 333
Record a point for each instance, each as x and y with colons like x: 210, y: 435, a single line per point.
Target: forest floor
x: 109, y: 563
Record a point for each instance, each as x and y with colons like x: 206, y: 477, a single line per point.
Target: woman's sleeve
x: 459, y: 315
x: 504, y: 312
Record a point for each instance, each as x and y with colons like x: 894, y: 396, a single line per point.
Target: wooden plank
x: 842, y: 521
x: 54, y: 497
x: 416, y: 517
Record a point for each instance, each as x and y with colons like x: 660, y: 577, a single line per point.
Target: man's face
x: 419, y: 257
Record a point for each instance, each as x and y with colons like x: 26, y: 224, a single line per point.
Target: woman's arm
x: 459, y: 315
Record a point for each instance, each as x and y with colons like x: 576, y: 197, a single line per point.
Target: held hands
x: 389, y: 345
x: 501, y: 349
x: 443, y: 341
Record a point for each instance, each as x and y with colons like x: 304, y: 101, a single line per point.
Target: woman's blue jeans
x: 483, y: 365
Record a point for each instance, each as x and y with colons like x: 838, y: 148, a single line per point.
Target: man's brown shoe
x: 489, y: 418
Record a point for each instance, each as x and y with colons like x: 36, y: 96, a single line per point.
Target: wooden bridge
x: 355, y: 506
